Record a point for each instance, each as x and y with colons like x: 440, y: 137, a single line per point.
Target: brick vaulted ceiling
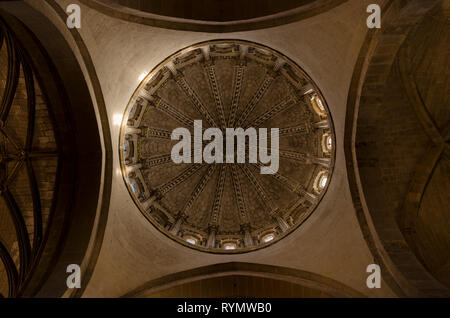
x: 50, y: 155
x: 424, y: 69
x: 28, y: 165
x: 403, y: 145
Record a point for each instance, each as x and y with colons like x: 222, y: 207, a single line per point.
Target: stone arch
x: 81, y: 201
x: 298, y: 277
x: 377, y: 62
x: 130, y: 11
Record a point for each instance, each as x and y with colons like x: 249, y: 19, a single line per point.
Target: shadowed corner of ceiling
x: 213, y: 16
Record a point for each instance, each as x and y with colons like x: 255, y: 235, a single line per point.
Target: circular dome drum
x: 227, y: 146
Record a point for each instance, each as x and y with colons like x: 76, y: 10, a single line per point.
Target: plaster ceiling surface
x: 328, y: 243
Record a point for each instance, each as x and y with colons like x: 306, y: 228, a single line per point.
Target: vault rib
x: 239, y: 73
x: 285, y: 181
x: 172, y: 112
x: 280, y: 107
x: 199, y: 188
x: 215, y: 212
x: 170, y: 185
x: 257, y: 96
x: 12, y: 78
x: 265, y: 198
x: 305, y: 158
x: 158, y: 133
x: 239, y: 197
x: 195, y: 99
x: 300, y: 129
x: 215, y: 91
x: 157, y: 161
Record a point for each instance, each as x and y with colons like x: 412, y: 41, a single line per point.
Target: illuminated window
x: 268, y: 237
x: 318, y: 106
x: 323, y: 181
x: 229, y: 246
x: 329, y: 143
x: 191, y: 240
x: 133, y: 187
x: 317, y: 102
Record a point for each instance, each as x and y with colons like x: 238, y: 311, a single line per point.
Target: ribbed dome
x: 227, y: 207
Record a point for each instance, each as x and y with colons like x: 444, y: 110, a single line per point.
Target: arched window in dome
x: 321, y: 181
x: 317, y: 104
x: 229, y: 246
x: 327, y: 143
x: 133, y: 188
x: 191, y: 240
x: 268, y: 237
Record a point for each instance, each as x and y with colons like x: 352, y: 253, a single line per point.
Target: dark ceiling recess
x: 214, y: 10
x: 402, y: 148
x: 212, y: 16
x: 424, y: 216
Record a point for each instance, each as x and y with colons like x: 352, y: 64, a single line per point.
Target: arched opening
x: 239, y: 286
x: 249, y: 280
x: 213, y: 15
x: 51, y: 159
x: 398, y: 145
x: 216, y: 10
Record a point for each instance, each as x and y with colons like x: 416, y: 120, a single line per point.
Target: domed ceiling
x: 235, y: 203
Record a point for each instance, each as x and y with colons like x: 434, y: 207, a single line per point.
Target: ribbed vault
x: 51, y: 161
x: 401, y: 145
x: 28, y: 164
